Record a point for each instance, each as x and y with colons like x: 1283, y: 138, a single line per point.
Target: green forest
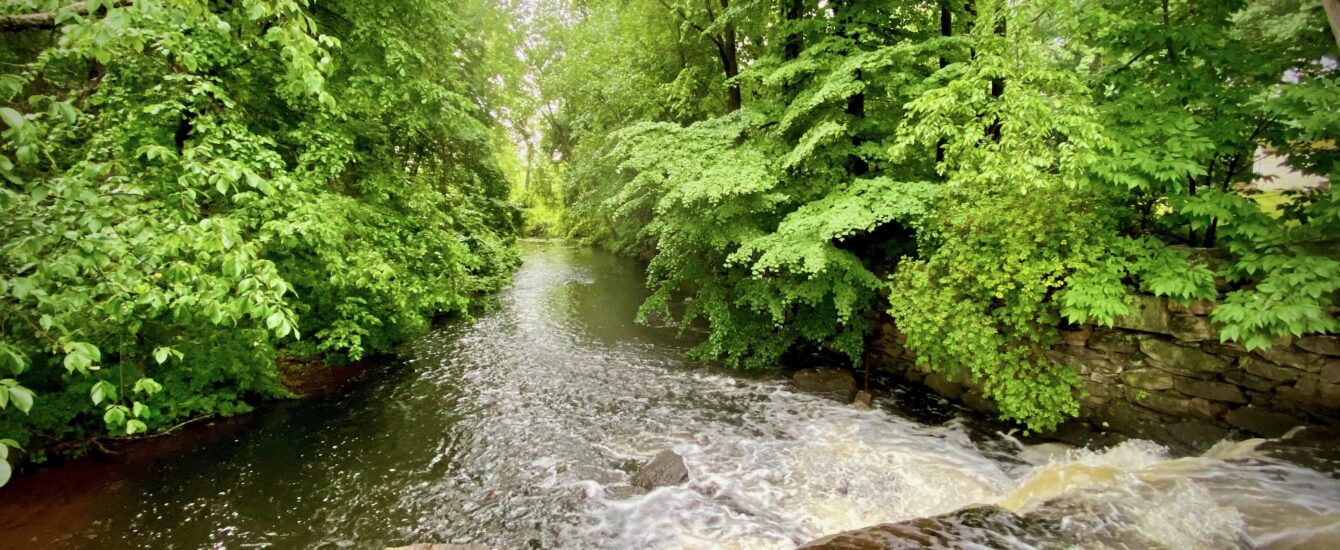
x: 200, y: 193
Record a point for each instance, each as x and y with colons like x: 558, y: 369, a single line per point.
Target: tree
x: 190, y: 186
x: 983, y: 172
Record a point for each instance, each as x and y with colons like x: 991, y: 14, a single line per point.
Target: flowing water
x: 522, y: 430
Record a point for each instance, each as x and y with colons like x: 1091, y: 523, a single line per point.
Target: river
x: 521, y: 429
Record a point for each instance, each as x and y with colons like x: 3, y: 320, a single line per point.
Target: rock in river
x: 975, y: 527
x: 836, y: 383
x: 666, y: 469
x: 1052, y: 524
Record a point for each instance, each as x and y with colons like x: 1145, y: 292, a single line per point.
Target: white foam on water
x: 555, y: 416
x: 798, y: 467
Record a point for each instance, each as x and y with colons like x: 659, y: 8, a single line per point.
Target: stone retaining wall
x: 1161, y: 373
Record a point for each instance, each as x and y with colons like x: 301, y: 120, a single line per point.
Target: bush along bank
x: 193, y: 190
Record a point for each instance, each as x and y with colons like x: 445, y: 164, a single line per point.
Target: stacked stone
x: 1161, y: 373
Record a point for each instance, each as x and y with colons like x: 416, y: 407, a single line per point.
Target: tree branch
x: 45, y: 21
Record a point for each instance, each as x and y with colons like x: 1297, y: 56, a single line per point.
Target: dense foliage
x: 195, y: 191
x: 983, y: 172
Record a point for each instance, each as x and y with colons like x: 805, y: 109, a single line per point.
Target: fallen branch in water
x: 99, y: 442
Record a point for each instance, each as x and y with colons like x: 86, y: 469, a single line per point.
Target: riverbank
x: 1162, y: 374
x: 43, y: 499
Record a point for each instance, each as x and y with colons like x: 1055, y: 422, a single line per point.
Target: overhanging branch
x: 44, y: 21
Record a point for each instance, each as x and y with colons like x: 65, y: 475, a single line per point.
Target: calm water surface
x: 522, y: 429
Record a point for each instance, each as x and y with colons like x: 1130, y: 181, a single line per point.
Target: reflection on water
x: 521, y: 429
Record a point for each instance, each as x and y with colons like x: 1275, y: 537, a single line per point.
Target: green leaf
x: 135, y: 426
x: 161, y: 355
x: 22, y: 398
x: 17, y: 363
x: 11, y: 117
x: 10, y: 86
x: 67, y: 111
x: 76, y: 362
x: 89, y: 350
x: 115, y: 416
x: 147, y: 386
x: 102, y: 390
x: 5, y: 472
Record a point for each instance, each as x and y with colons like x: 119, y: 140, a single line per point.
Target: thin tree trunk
x: 794, y: 41
x: 732, y: 61
x: 970, y: 10
x: 946, y: 30
x: 856, y: 165
x: 997, y: 88
x: 728, y: 51
x: 1333, y: 14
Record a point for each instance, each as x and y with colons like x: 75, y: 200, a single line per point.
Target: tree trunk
x: 946, y: 30
x: 970, y: 11
x: 997, y: 88
x: 727, y: 50
x: 794, y: 9
x: 1333, y: 14
x: 794, y: 41
x: 731, y: 60
x: 856, y: 165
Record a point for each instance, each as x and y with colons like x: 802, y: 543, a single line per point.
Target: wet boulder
x: 827, y: 381
x: 977, y: 527
x: 666, y: 469
x: 1052, y: 524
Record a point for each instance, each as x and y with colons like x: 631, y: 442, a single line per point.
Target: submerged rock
x: 666, y: 469
x: 836, y: 383
x: 1057, y: 523
x: 1261, y: 421
x: 979, y: 526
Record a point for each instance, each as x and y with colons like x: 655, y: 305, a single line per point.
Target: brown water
x: 521, y: 429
